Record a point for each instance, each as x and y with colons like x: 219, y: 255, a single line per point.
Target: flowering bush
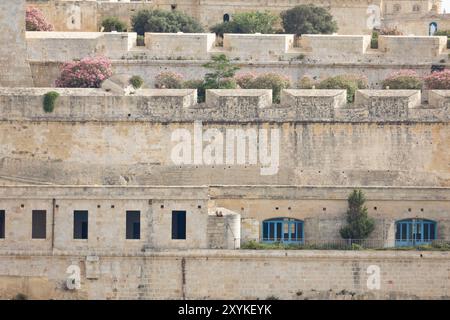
x: 438, y: 80
x: 306, y: 82
x: 403, y: 79
x: 244, y: 80
x: 272, y: 81
x: 35, y: 20
x: 86, y: 73
x: 169, y: 80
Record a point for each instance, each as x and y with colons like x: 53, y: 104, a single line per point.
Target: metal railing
x: 348, y: 244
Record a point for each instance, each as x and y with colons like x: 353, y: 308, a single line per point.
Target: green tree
x: 308, y: 19
x: 164, y: 21
x: 359, y: 225
x: 221, y: 72
x: 249, y: 22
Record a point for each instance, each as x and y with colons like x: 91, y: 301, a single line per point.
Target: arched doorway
x: 285, y: 230
x: 412, y: 232
x: 226, y: 17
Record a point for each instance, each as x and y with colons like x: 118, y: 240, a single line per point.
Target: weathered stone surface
x: 14, y: 68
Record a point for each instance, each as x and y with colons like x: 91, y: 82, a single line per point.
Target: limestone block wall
x: 222, y: 274
x: 184, y: 46
x: 218, y: 217
x: 259, y: 47
x: 106, y: 218
x: 312, y: 49
x: 95, y: 137
x: 67, y: 46
x: 14, y: 68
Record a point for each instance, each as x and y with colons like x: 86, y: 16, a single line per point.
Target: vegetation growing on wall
x: 349, y: 82
x: 49, y: 101
x: 169, y: 80
x: 249, y: 22
x: 86, y: 73
x: 273, y: 81
x: 308, y: 19
x: 439, y: 80
x: 137, y: 82
x: 164, y: 21
x: 359, y: 224
x: 36, y: 21
x: 113, y: 24
x: 403, y: 79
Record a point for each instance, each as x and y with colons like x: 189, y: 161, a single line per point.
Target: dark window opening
x: 133, y: 225
x: 80, y: 225
x: 179, y: 225
x: 226, y: 17
x: 39, y: 224
x: 173, y: 6
x: 2, y: 224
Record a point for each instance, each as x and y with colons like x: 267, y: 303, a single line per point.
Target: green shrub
x: 272, y: 81
x: 49, y: 101
x: 351, y: 83
x: 306, y: 83
x: 248, y: 22
x: 403, y: 79
x: 164, y: 21
x: 140, y: 41
x: 169, y: 80
x: 113, y: 24
x: 308, y: 19
x: 137, y: 82
x: 374, y: 40
x: 220, y: 68
x: 359, y: 225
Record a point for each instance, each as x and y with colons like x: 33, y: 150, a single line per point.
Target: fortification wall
x: 95, y: 137
x: 14, y: 67
x: 317, y: 56
x: 351, y: 16
x: 46, y: 46
x: 228, y: 275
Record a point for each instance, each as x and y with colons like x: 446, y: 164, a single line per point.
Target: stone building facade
x: 150, y: 195
x: 353, y: 17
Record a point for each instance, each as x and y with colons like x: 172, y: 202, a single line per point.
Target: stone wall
x: 228, y: 275
x: 218, y: 217
x: 95, y: 137
x: 76, y: 15
x: 51, y: 46
x: 14, y: 67
x: 316, y: 56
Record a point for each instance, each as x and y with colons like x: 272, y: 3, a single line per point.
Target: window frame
x: 33, y: 212
x: 127, y: 214
x: 414, y: 236
x: 274, y: 226
x: 176, y: 225
x: 75, y: 212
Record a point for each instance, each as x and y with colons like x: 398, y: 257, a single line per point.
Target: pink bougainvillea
x: 86, y: 73
x: 438, y: 80
x: 403, y: 79
x: 35, y: 20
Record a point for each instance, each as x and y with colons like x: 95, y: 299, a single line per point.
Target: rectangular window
x: 179, y: 225
x: 133, y: 224
x: 39, y: 224
x: 80, y: 225
x: 2, y: 224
